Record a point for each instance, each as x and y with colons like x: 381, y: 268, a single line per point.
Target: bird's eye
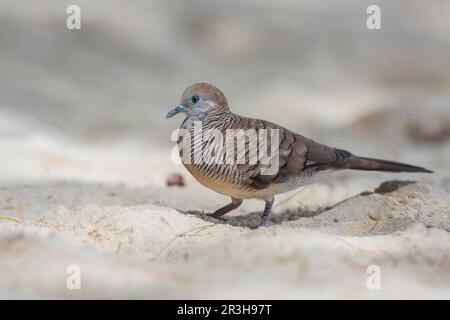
x: 195, y: 99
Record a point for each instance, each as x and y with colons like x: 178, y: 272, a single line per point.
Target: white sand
x: 132, y: 238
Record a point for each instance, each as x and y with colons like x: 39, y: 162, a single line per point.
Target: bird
x: 295, y: 159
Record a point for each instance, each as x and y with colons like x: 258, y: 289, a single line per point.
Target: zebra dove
x: 294, y: 161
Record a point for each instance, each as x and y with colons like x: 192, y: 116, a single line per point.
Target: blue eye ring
x: 195, y: 98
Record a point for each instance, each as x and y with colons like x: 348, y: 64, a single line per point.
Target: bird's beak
x: 179, y: 108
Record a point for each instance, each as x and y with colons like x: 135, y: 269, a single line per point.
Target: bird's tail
x: 370, y: 164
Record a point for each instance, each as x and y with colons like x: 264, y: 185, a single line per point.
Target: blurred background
x: 300, y: 63
x: 82, y: 112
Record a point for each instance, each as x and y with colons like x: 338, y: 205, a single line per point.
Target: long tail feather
x: 362, y: 163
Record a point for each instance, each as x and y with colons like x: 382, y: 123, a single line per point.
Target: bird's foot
x: 216, y: 216
x: 261, y: 225
x: 265, y: 217
x: 264, y: 224
x: 235, y: 203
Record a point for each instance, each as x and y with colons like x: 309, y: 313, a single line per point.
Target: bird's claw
x: 212, y: 215
x: 265, y: 224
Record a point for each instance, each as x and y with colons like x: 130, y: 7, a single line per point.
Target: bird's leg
x: 266, y: 213
x: 235, y: 203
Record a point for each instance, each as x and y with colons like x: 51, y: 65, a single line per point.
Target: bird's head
x: 199, y: 100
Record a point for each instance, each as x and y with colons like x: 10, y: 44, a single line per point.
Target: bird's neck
x: 212, y: 120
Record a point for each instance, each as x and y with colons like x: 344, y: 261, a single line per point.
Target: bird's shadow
x: 252, y: 220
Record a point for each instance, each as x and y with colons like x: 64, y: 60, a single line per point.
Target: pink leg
x: 235, y: 203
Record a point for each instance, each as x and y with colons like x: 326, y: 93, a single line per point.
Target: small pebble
x: 175, y: 179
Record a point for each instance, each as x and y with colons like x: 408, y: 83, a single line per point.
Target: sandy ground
x: 85, y: 153
x: 134, y: 237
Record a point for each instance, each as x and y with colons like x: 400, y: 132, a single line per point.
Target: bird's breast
x: 204, y: 159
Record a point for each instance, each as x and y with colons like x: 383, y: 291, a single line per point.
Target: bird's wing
x: 297, y: 155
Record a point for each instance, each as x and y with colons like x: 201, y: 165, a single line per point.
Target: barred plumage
x: 291, y: 160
